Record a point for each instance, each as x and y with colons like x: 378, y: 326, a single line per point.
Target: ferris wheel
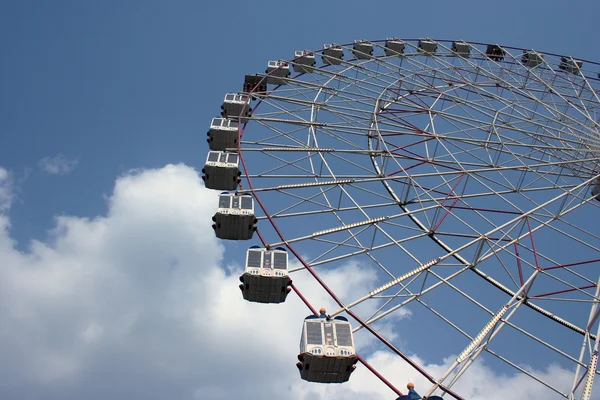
x: 464, y: 177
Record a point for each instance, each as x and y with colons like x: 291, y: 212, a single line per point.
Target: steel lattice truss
x: 462, y: 183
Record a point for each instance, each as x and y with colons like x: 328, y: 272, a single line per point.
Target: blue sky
x: 115, y: 86
x: 123, y: 85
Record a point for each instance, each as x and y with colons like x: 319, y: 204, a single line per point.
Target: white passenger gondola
x: 570, y: 65
x: 394, y: 47
x: 236, y: 105
x: 256, y: 83
x: 531, y: 58
x: 234, y: 219
x: 221, y: 171
x: 596, y: 188
x: 427, y: 46
x: 363, y: 49
x: 461, y: 49
x: 304, y: 62
x: 495, y: 52
x: 223, y: 134
x: 327, y: 353
x: 277, y: 72
x: 332, y: 54
x: 265, y: 279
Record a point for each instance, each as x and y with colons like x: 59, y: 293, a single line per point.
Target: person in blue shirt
x: 412, y: 394
x: 322, y: 314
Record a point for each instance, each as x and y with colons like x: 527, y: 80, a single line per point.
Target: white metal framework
x: 461, y: 175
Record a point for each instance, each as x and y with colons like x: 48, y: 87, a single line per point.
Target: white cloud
x: 138, y: 304
x: 58, y: 165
